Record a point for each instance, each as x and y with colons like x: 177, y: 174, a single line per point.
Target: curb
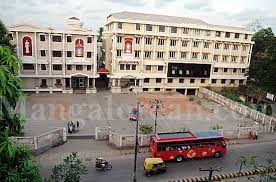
x: 228, y: 176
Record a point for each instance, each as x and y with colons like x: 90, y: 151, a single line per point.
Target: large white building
x: 156, y: 53
x: 57, y: 61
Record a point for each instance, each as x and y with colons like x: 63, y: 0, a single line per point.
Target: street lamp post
x: 156, y: 104
x: 136, y: 142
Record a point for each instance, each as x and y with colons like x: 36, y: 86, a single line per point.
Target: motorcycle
x: 102, y: 165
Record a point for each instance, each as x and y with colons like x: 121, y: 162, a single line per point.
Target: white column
x: 201, y: 50
x: 213, y: 50
x: 222, y: 44
x: 63, y: 54
x: 142, y: 54
x: 95, y: 38
x: 190, y: 49
x: 113, y: 52
x: 250, y: 53
x: 119, y: 82
x: 239, y: 61
x: 50, y: 54
x: 35, y: 54
x: 17, y: 44
x: 140, y: 82
x: 135, y: 82
x: 113, y: 82
x: 178, y: 48
x: 94, y: 82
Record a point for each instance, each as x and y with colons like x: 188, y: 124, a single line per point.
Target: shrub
x: 191, y: 98
x: 146, y: 128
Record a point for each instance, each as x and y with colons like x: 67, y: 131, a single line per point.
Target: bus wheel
x: 217, y: 154
x: 179, y: 158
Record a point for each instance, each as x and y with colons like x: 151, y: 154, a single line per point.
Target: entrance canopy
x: 103, y: 71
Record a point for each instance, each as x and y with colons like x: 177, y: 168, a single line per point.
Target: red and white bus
x: 186, y: 145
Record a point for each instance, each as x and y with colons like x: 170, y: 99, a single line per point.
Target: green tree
x: 100, y: 32
x: 70, y: 170
x: 263, y: 60
x: 146, y: 128
x: 16, y: 161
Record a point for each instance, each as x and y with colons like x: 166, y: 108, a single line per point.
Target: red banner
x: 27, y: 46
x: 128, y: 45
x: 79, y: 48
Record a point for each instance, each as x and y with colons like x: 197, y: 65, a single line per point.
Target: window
x: 148, y: 41
x: 243, y: 58
x: 58, y: 82
x: 160, y: 68
x: 215, y: 58
x: 79, y: 67
x: 244, y: 48
x: 57, y: 67
x: 172, y: 54
x: 43, y: 83
x: 214, y: 81
x: 68, y: 39
x: 218, y: 33
x: 227, y: 34
x: 196, y: 44
x: 216, y: 70
x: 207, y: 32
x: 194, y: 55
x: 234, y: 70
x: 161, y: 42
x: 119, y: 53
x: 234, y: 58
x: 235, y: 47
x: 202, y: 81
x: 173, y: 42
x: 146, y: 80
x: 88, y: 68
x: 133, y: 67
x: 120, y: 25
x: 89, y: 40
x: 225, y: 70
x: 192, y: 80
x: 223, y: 81
x: 57, y: 54
x: 122, y: 66
x: 127, y: 67
x: 240, y: 82
x: 205, y: 56
x: 147, y: 54
x: 170, y: 80
x: 181, y: 80
x: 69, y: 54
x: 148, y: 68
x: 183, y: 54
x: 137, y: 54
x: 237, y: 35
x: 89, y: 54
x: 185, y: 30
x: 173, y: 29
x: 245, y: 37
x: 161, y: 28
x: 138, y: 27
x: 184, y: 43
x: 42, y: 38
x: 158, y: 80
x: 232, y: 81
x: 119, y: 39
x: 42, y: 53
x: 137, y: 40
x: 226, y: 46
x: 145, y: 89
x: 224, y: 58
x: 216, y: 45
x: 197, y: 31
x: 148, y: 27
x: 69, y: 67
x: 157, y: 89
x: 160, y: 54
x: 243, y: 70
x: 206, y: 45
x: 56, y: 38
x: 43, y: 67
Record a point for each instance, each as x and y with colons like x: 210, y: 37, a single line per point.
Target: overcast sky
x: 93, y: 13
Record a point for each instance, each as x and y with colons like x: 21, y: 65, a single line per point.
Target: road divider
x: 220, y: 177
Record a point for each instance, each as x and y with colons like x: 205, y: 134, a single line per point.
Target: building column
x: 119, y: 82
x: 135, y: 82
x: 185, y: 93
x: 35, y: 54
x: 113, y: 82
x: 94, y: 82
x: 140, y: 82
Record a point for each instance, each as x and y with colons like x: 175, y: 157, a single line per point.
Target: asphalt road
x: 123, y: 165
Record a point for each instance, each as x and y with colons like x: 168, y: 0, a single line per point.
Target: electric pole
x: 156, y: 104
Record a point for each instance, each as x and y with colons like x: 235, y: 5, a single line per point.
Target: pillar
x: 113, y: 82
x: 135, y: 82
x: 94, y: 82
x: 119, y: 82
x: 185, y: 93
x: 140, y: 82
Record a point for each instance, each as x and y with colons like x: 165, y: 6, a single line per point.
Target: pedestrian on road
x: 256, y: 134
x: 78, y: 125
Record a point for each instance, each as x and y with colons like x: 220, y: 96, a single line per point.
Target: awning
x: 102, y: 70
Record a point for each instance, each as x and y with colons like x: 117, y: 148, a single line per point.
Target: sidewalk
x: 267, y: 137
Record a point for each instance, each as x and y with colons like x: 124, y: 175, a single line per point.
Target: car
x: 133, y: 115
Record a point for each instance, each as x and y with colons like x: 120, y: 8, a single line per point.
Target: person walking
x: 78, y: 125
